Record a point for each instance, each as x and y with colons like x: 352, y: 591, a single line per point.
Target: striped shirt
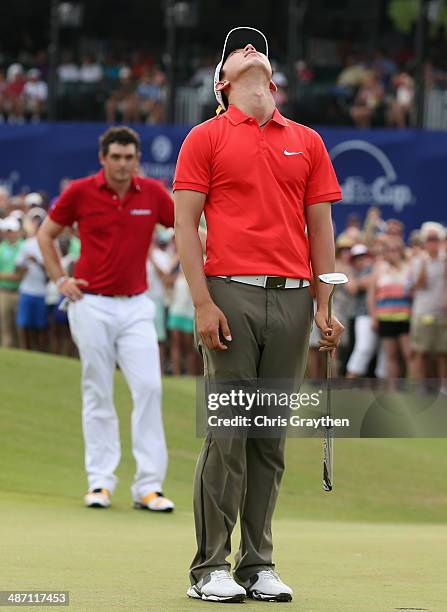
x: 393, y: 299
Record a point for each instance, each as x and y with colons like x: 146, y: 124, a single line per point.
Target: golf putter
x: 334, y: 279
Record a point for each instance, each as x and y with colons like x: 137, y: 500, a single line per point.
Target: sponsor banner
x: 399, y: 170
x: 36, y: 157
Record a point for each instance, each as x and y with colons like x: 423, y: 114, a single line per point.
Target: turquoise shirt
x: 8, y: 255
x: 75, y: 248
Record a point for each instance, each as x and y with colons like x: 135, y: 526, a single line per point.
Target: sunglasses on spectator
x: 431, y: 238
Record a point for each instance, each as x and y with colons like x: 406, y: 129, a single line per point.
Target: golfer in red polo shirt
x: 260, y: 179
x: 111, y: 318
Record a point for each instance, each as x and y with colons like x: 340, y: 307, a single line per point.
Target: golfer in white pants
x: 109, y: 331
x: 111, y: 317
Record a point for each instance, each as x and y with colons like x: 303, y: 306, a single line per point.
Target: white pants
x: 109, y: 331
x: 364, y: 348
x: 381, y: 366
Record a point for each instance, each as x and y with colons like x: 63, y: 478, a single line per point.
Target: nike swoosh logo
x: 286, y: 152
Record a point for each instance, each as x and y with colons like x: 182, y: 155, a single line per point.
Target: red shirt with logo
x: 258, y: 183
x: 115, y: 234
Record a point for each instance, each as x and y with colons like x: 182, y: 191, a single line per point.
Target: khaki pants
x: 8, y: 308
x: 270, y: 330
x: 428, y: 334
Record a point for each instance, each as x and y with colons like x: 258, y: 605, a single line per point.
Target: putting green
x: 377, y: 543
x: 123, y: 559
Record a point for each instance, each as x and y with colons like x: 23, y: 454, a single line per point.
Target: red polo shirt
x: 115, y: 234
x: 258, y: 183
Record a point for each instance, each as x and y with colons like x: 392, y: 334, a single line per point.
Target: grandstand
x: 311, y: 45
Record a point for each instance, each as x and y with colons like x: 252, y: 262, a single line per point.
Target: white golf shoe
x: 218, y: 586
x: 266, y: 585
x: 97, y: 498
x: 155, y: 502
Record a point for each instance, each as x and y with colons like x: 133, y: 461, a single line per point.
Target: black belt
x: 113, y: 296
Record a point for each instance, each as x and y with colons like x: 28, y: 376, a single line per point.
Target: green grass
x: 378, y: 542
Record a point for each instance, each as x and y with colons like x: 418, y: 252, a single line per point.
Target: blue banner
x: 402, y: 171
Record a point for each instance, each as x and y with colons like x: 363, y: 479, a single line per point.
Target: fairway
x: 377, y: 543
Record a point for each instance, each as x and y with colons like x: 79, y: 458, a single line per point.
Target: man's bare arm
x: 47, y: 234
x: 322, y: 255
x: 210, y: 319
x: 188, y: 209
x: 322, y: 249
x: 421, y: 276
x: 15, y: 276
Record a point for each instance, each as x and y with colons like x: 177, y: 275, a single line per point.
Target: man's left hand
x: 330, y: 335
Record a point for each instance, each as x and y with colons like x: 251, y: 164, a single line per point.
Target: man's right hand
x: 70, y: 288
x: 211, y: 321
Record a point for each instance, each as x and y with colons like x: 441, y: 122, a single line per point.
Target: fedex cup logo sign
x: 376, y: 181
x: 161, y: 149
x: 160, y: 166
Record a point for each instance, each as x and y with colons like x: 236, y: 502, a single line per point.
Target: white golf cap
x: 430, y: 228
x: 37, y: 212
x: 17, y: 214
x: 359, y: 249
x: 10, y: 224
x: 13, y: 70
x: 34, y: 199
x: 238, y: 38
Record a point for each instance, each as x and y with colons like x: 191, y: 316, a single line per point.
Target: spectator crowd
x: 23, y: 94
x: 394, y: 307
x: 376, y: 92
x: 131, y: 89
x: 355, y: 88
x: 30, y: 313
